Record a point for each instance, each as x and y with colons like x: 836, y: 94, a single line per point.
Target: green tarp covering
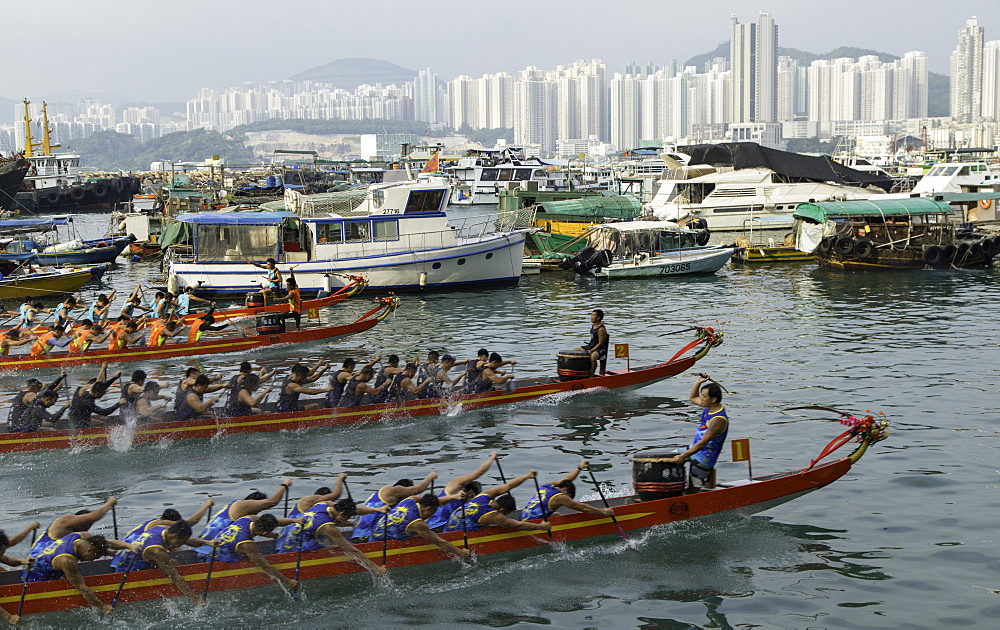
x: 176, y: 232
x: 617, y: 207
x: 819, y: 212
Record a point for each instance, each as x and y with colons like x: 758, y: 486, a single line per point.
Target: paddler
x: 48, y: 340
x: 132, y: 303
x: 144, y: 409
x: 323, y: 493
x: 123, y: 334
x: 294, y: 385
x: 294, y: 298
x: 491, y: 508
x: 36, y: 416
x: 552, y: 496
x: 339, y: 380
x: 13, y: 338
x: 192, y: 404
x: 388, y: 496
x: 273, y: 276
x: 63, y: 316
x: 85, y: 336
x: 84, y: 404
x: 204, y: 324
x: 237, y: 543
x: 62, y: 557
x: 99, y: 309
x: 358, y: 392
x: 490, y: 374
x: 403, y: 388
x: 79, y: 522
x: 166, y: 519
x: 409, y: 518
x: 598, y: 344
x: 320, y: 527
x: 28, y: 310
x: 5, y: 544
x: 254, y: 503
x: 236, y: 382
x: 245, y: 403
x: 463, y: 488
x: 706, y: 446
x: 184, y: 301
x: 160, y: 331
x: 19, y: 404
x: 152, y: 549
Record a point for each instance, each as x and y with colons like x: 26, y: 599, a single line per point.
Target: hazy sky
x: 166, y: 50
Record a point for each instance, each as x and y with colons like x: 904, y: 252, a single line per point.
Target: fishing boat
x: 725, y: 184
x: 396, y: 235
x: 212, y: 345
x: 30, y: 282
x: 647, y: 248
x: 910, y: 233
x: 738, y: 498
x: 754, y: 246
x: 40, y: 240
x: 12, y: 172
x: 526, y: 389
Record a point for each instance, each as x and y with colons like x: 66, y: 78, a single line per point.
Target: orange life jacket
x: 196, y: 332
x: 156, y: 337
x: 40, y: 347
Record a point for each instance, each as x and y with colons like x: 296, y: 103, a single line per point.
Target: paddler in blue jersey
x: 255, y: 502
x: 79, y: 522
x: 273, y: 276
x: 320, y: 527
x: 491, y: 507
x: 409, y: 518
x: 552, y: 496
x: 237, y: 543
x: 61, y: 559
x: 710, y: 436
x: 152, y: 549
x: 462, y: 488
x: 390, y: 496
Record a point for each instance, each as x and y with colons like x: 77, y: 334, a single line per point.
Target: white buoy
x: 423, y: 278
x: 173, y: 284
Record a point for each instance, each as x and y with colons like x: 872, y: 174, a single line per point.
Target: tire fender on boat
x: 863, y: 248
x: 844, y: 245
x: 934, y: 255
x: 826, y: 244
x: 948, y: 252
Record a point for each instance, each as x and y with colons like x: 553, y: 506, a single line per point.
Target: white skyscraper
x: 627, y: 110
x: 967, y: 73
x: 910, y: 86
x: 991, y: 81
x: 463, y: 102
x: 535, y: 109
x: 753, y: 79
x: 426, y: 99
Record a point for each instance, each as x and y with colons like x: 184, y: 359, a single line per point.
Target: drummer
x: 273, y: 277
x: 598, y: 344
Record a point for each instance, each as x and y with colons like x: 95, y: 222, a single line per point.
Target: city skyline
x: 168, y: 53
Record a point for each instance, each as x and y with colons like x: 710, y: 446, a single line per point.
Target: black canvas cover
x: 792, y: 166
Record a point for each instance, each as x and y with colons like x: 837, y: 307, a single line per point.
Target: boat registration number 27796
x: 675, y: 268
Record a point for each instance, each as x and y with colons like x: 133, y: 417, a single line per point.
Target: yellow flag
x: 621, y: 350
x: 741, y: 450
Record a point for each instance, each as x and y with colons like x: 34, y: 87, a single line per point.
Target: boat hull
x: 681, y: 262
x: 748, y: 498
x: 70, y: 281
x: 758, y: 255
x: 487, y: 261
x: 212, y: 427
x: 93, y: 252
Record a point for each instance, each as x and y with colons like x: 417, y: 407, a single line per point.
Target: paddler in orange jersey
x: 92, y: 336
x: 204, y: 324
x: 294, y: 298
x: 122, y: 334
x: 48, y: 340
x: 161, y: 331
x: 13, y: 338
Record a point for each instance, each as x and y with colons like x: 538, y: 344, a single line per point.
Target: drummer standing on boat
x: 710, y: 436
x: 598, y: 344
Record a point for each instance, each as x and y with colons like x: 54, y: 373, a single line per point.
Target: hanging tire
x: 948, y: 252
x: 702, y: 237
x: 826, y: 245
x: 844, y: 246
x: 962, y: 254
x: 934, y: 255
x: 996, y: 244
x: 52, y: 197
x: 975, y: 250
x: 77, y: 193
x: 863, y: 249
x: 100, y: 190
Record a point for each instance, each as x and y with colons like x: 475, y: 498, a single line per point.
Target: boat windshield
x: 236, y: 242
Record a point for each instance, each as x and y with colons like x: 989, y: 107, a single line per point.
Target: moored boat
x: 213, y: 345
x: 742, y: 498
x: 47, y: 283
x: 527, y: 389
x: 910, y: 233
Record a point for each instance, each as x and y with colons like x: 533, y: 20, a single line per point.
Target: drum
x: 573, y: 365
x: 656, y: 478
x: 270, y: 324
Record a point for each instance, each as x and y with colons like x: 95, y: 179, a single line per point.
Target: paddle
x: 298, y: 562
x: 818, y: 408
x: 286, y: 502
x: 385, y: 538
x: 208, y: 577
x: 121, y: 585
x: 705, y: 376
x: 465, y: 529
x: 233, y: 324
x: 677, y: 332
x: 503, y: 479
x: 614, y: 519
x: 347, y: 490
x: 545, y: 512
x: 114, y: 519
x: 24, y: 585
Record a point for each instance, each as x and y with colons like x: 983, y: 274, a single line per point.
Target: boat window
x: 386, y: 230
x: 488, y: 175
x: 425, y: 200
x: 539, y: 174
x: 436, y: 265
x: 505, y: 174
x: 236, y: 242
x: 522, y: 174
x: 489, y: 255
x: 461, y: 261
x: 357, y: 231
x: 329, y: 233
x: 934, y: 172
x: 965, y: 170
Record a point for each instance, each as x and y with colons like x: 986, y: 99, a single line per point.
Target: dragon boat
x: 631, y: 514
x: 214, y: 345
x: 527, y: 389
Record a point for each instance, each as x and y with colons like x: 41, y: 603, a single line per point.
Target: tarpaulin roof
x: 615, y: 207
x: 820, y: 212
x: 245, y: 218
x: 793, y: 165
x: 41, y: 223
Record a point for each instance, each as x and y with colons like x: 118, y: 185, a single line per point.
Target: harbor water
x: 907, y: 539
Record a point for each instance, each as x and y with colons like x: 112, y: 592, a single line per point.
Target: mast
x: 47, y: 146
x: 29, y: 146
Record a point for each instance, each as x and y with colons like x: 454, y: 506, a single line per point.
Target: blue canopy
x: 40, y: 223
x: 231, y: 218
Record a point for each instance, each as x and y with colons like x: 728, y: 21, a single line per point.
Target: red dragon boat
x: 527, y: 389
x: 213, y: 345
x: 743, y: 497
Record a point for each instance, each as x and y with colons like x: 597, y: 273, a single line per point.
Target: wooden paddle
x: 208, y: 577
x: 614, y: 519
x: 24, y: 584
x: 121, y: 585
x: 114, y: 519
x: 385, y: 538
x: 298, y: 561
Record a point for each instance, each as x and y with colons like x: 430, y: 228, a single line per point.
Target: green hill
x: 109, y: 150
x: 938, y: 85
x: 350, y: 73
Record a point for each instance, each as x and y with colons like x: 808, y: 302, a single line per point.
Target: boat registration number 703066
x: 675, y: 268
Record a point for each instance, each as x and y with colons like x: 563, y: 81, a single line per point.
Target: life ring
x: 863, y: 248
x: 934, y: 255
x: 985, y: 204
x: 844, y: 245
x: 102, y: 244
x: 948, y: 252
x: 826, y: 245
